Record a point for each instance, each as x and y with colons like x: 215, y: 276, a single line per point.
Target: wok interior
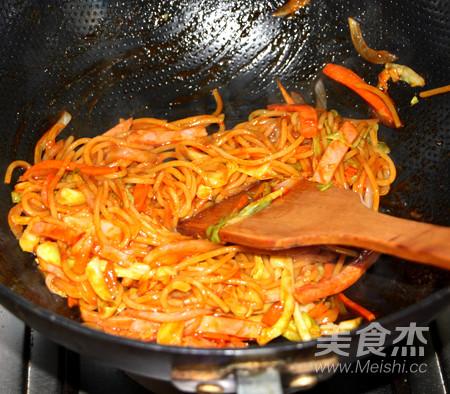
x: 102, y: 61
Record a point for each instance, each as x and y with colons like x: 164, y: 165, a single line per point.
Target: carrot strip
x: 337, y: 284
x: 273, y: 314
x: 334, y: 155
x: 356, y: 308
x: 317, y: 310
x: 140, y: 195
x: 287, y: 97
x: 45, y: 188
x: 329, y: 269
x: 71, y: 166
x: 432, y: 92
x: 354, y: 82
x: 308, y: 117
x: 328, y: 316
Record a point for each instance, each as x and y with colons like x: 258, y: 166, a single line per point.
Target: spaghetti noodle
x: 100, y: 215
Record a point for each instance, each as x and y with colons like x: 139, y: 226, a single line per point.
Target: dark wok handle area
x: 102, y: 61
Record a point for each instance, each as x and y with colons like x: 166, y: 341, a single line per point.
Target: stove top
x: 31, y: 363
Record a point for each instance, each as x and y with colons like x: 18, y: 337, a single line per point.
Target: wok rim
x: 16, y: 303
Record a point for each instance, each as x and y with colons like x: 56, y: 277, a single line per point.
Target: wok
x: 104, y: 60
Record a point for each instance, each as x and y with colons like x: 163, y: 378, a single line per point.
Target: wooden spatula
x: 307, y: 216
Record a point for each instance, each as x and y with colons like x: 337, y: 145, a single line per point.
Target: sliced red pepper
x: 354, y: 82
x: 334, y: 154
x: 71, y: 166
x: 309, y: 124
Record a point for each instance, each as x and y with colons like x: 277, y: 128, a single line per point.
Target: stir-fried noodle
x: 101, y: 213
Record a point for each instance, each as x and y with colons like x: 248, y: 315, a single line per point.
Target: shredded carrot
x: 317, y: 310
x: 45, y: 188
x: 329, y: 269
x: 71, y: 166
x: 219, y: 102
x: 287, y: 97
x: 433, y: 92
x: 356, y: 308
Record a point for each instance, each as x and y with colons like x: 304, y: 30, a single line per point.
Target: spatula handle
x: 411, y: 240
x: 308, y: 217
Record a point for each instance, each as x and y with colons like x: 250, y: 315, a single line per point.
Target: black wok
x: 104, y: 60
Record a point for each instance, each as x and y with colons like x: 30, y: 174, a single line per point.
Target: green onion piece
x: 339, y: 136
x: 364, y: 135
x: 297, y: 166
x: 316, y: 146
x: 382, y: 146
x: 359, y: 138
x: 255, y: 206
x: 15, y: 197
x: 327, y: 127
x: 311, y: 325
x: 212, y: 232
x: 335, y: 113
x: 321, y: 271
x: 414, y: 101
x: 324, y: 186
x: 130, y: 196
